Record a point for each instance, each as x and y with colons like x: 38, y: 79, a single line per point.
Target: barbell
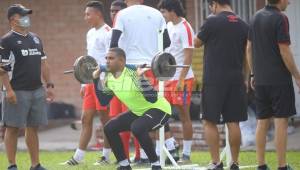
x: 163, y: 66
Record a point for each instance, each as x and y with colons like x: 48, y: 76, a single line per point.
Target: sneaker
x: 124, y: 167
x: 38, y: 167
x: 156, y: 167
x: 215, y: 166
x: 234, y: 166
x: 286, y: 168
x: 142, y: 162
x: 12, y: 167
x: 263, y: 167
x: 71, y: 162
x: 175, y: 155
x: 185, y: 159
x: 102, y: 161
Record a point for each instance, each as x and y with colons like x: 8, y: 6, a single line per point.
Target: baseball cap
x: 17, y: 9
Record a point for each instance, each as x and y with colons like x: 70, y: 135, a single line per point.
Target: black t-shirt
x: 24, y: 53
x: 268, y: 28
x: 225, y: 37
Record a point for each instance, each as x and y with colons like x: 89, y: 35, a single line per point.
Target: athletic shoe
x: 124, y: 167
x: 12, y: 167
x: 38, y: 167
x: 156, y: 167
x: 175, y: 155
x: 263, y: 167
x: 185, y: 159
x: 215, y: 166
x: 102, y: 161
x: 234, y: 166
x: 141, y: 162
x: 286, y: 168
x: 71, y: 162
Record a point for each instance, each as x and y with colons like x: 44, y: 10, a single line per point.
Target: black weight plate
x: 83, y: 69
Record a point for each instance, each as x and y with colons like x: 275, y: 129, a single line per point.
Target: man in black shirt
x: 224, y: 36
x: 273, y: 68
x: 24, y: 104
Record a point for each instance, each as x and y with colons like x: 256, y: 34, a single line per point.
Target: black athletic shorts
x: 224, y: 103
x: 275, y: 101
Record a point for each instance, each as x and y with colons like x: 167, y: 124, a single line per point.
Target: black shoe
x: 215, y: 166
x: 234, y: 166
x: 71, y: 162
x: 128, y: 167
x: 12, y: 167
x: 156, y: 167
x: 102, y: 161
x: 38, y: 167
x: 142, y: 162
x: 263, y: 167
x: 175, y: 155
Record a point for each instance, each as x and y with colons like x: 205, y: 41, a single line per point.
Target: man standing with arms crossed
x: 273, y: 68
x: 24, y: 101
x: 224, y: 36
x: 178, y: 90
x: 97, y: 46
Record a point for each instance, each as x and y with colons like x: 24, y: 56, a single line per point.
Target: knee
x: 86, y: 120
x: 109, y: 128
x: 12, y: 130
x: 137, y: 130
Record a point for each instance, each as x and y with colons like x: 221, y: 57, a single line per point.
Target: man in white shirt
x: 97, y: 47
x: 178, y: 90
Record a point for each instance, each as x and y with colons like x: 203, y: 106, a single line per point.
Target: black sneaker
x: 142, y: 162
x: 215, y: 166
x: 234, y: 166
x: 156, y: 167
x: 38, y: 167
x: 102, y: 161
x: 128, y: 167
x: 12, y: 167
x: 175, y: 155
x: 286, y: 168
x: 263, y: 167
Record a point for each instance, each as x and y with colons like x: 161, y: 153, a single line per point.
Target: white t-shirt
x: 181, y: 36
x: 97, y: 44
x: 140, y: 26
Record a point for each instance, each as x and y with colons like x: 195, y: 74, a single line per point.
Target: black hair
x: 172, y: 5
x: 96, y: 5
x: 119, y: 3
x: 273, y: 1
x: 118, y: 51
x: 221, y: 2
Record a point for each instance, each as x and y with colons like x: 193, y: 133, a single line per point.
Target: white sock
x: 157, y: 147
x: 124, y: 162
x: 79, y: 155
x: 155, y: 163
x: 187, y: 145
x: 143, y: 154
x: 170, y: 144
x: 106, y: 152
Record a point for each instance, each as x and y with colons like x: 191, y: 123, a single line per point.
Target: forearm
x: 289, y: 61
x: 46, y: 72
x: 198, y: 43
x: 102, y: 96
x: 188, y: 55
x: 249, y: 57
x: 6, y: 82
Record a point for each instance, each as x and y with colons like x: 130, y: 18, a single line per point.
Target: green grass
x: 51, y: 160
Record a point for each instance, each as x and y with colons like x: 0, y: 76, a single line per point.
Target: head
x: 133, y: 2
x: 18, y: 16
x: 217, y: 6
x: 94, y: 13
x: 115, y: 60
x: 171, y: 9
x: 281, y: 4
x: 115, y: 7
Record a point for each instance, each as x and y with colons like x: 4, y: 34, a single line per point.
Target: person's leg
x: 87, y: 128
x: 234, y: 134
x: 137, y: 149
x: 10, y: 140
x: 281, y: 125
x: 112, y: 129
x: 32, y: 142
x: 103, y: 114
x: 261, y: 135
x: 125, y: 136
x: 212, y: 139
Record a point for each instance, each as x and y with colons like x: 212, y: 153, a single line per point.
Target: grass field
x: 51, y: 160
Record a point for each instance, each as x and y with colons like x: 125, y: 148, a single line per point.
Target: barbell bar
x: 163, y: 66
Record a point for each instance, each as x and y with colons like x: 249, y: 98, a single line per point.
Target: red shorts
x: 116, y: 107
x: 90, y: 100
x: 179, y: 97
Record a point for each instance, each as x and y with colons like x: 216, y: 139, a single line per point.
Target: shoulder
x: 90, y: 31
x: 7, y: 36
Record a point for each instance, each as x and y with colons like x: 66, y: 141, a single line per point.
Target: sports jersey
x: 130, y: 91
x: 97, y: 44
x: 24, y: 53
x: 140, y: 26
x: 181, y: 36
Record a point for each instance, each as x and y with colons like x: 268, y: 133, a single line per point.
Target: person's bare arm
x: 198, y: 43
x: 188, y: 55
x: 10, y: 94
x: 47, y: 78
x: 249, y: 62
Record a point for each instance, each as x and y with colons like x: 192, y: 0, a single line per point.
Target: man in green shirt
x: 146, y: 110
